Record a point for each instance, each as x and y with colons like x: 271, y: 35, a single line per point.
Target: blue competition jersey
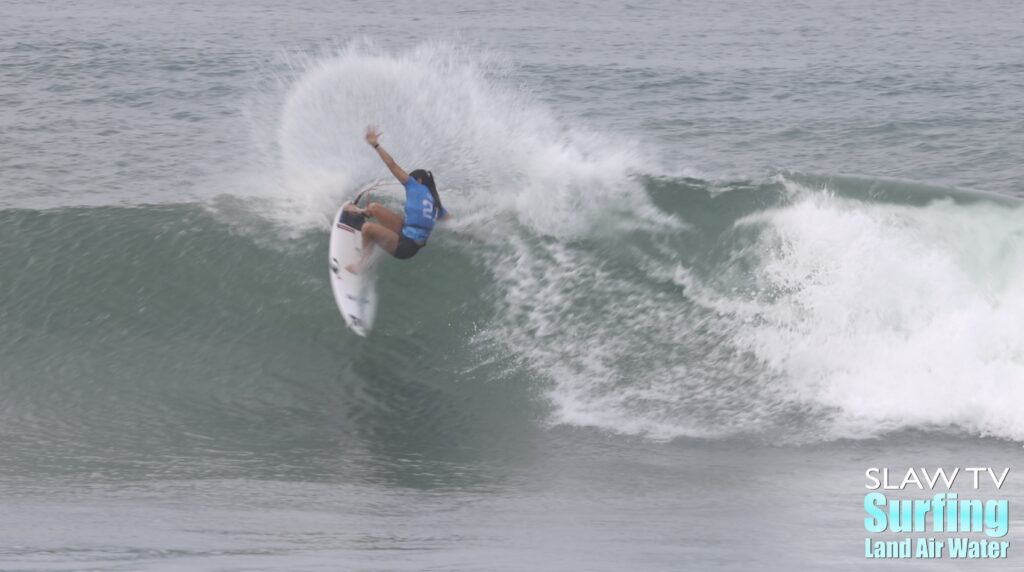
x: 420, y: 211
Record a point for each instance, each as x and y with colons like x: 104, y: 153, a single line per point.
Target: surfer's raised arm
x: 372, y: 134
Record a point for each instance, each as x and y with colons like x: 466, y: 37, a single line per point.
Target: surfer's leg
x: 387, y: 217
x: 374, y: 234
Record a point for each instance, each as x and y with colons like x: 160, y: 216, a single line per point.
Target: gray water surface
x: 711, y: 261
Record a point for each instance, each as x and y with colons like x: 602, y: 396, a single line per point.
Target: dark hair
x: 428, y: 179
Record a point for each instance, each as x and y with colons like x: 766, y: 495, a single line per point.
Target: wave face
x: 578, y: 280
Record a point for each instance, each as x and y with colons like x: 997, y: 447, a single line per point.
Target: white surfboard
x: 355, y: 294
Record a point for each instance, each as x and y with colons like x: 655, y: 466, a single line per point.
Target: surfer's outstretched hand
x: 372, y: 134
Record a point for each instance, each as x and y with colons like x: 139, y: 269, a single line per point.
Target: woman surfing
x: 401, y: 236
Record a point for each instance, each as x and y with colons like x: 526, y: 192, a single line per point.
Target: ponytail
x: 428, y: 181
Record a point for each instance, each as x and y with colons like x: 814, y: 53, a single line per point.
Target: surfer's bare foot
x: 353, y: 268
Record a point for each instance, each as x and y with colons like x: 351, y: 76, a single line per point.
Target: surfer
x: 401, y: 236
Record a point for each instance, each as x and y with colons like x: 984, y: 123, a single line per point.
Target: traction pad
x: 352, y: 219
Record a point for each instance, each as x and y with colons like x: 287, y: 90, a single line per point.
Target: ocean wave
x: 792, y: 308
x: 770, y: 310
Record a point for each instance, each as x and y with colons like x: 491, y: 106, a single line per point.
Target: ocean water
x: 710, y: 261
